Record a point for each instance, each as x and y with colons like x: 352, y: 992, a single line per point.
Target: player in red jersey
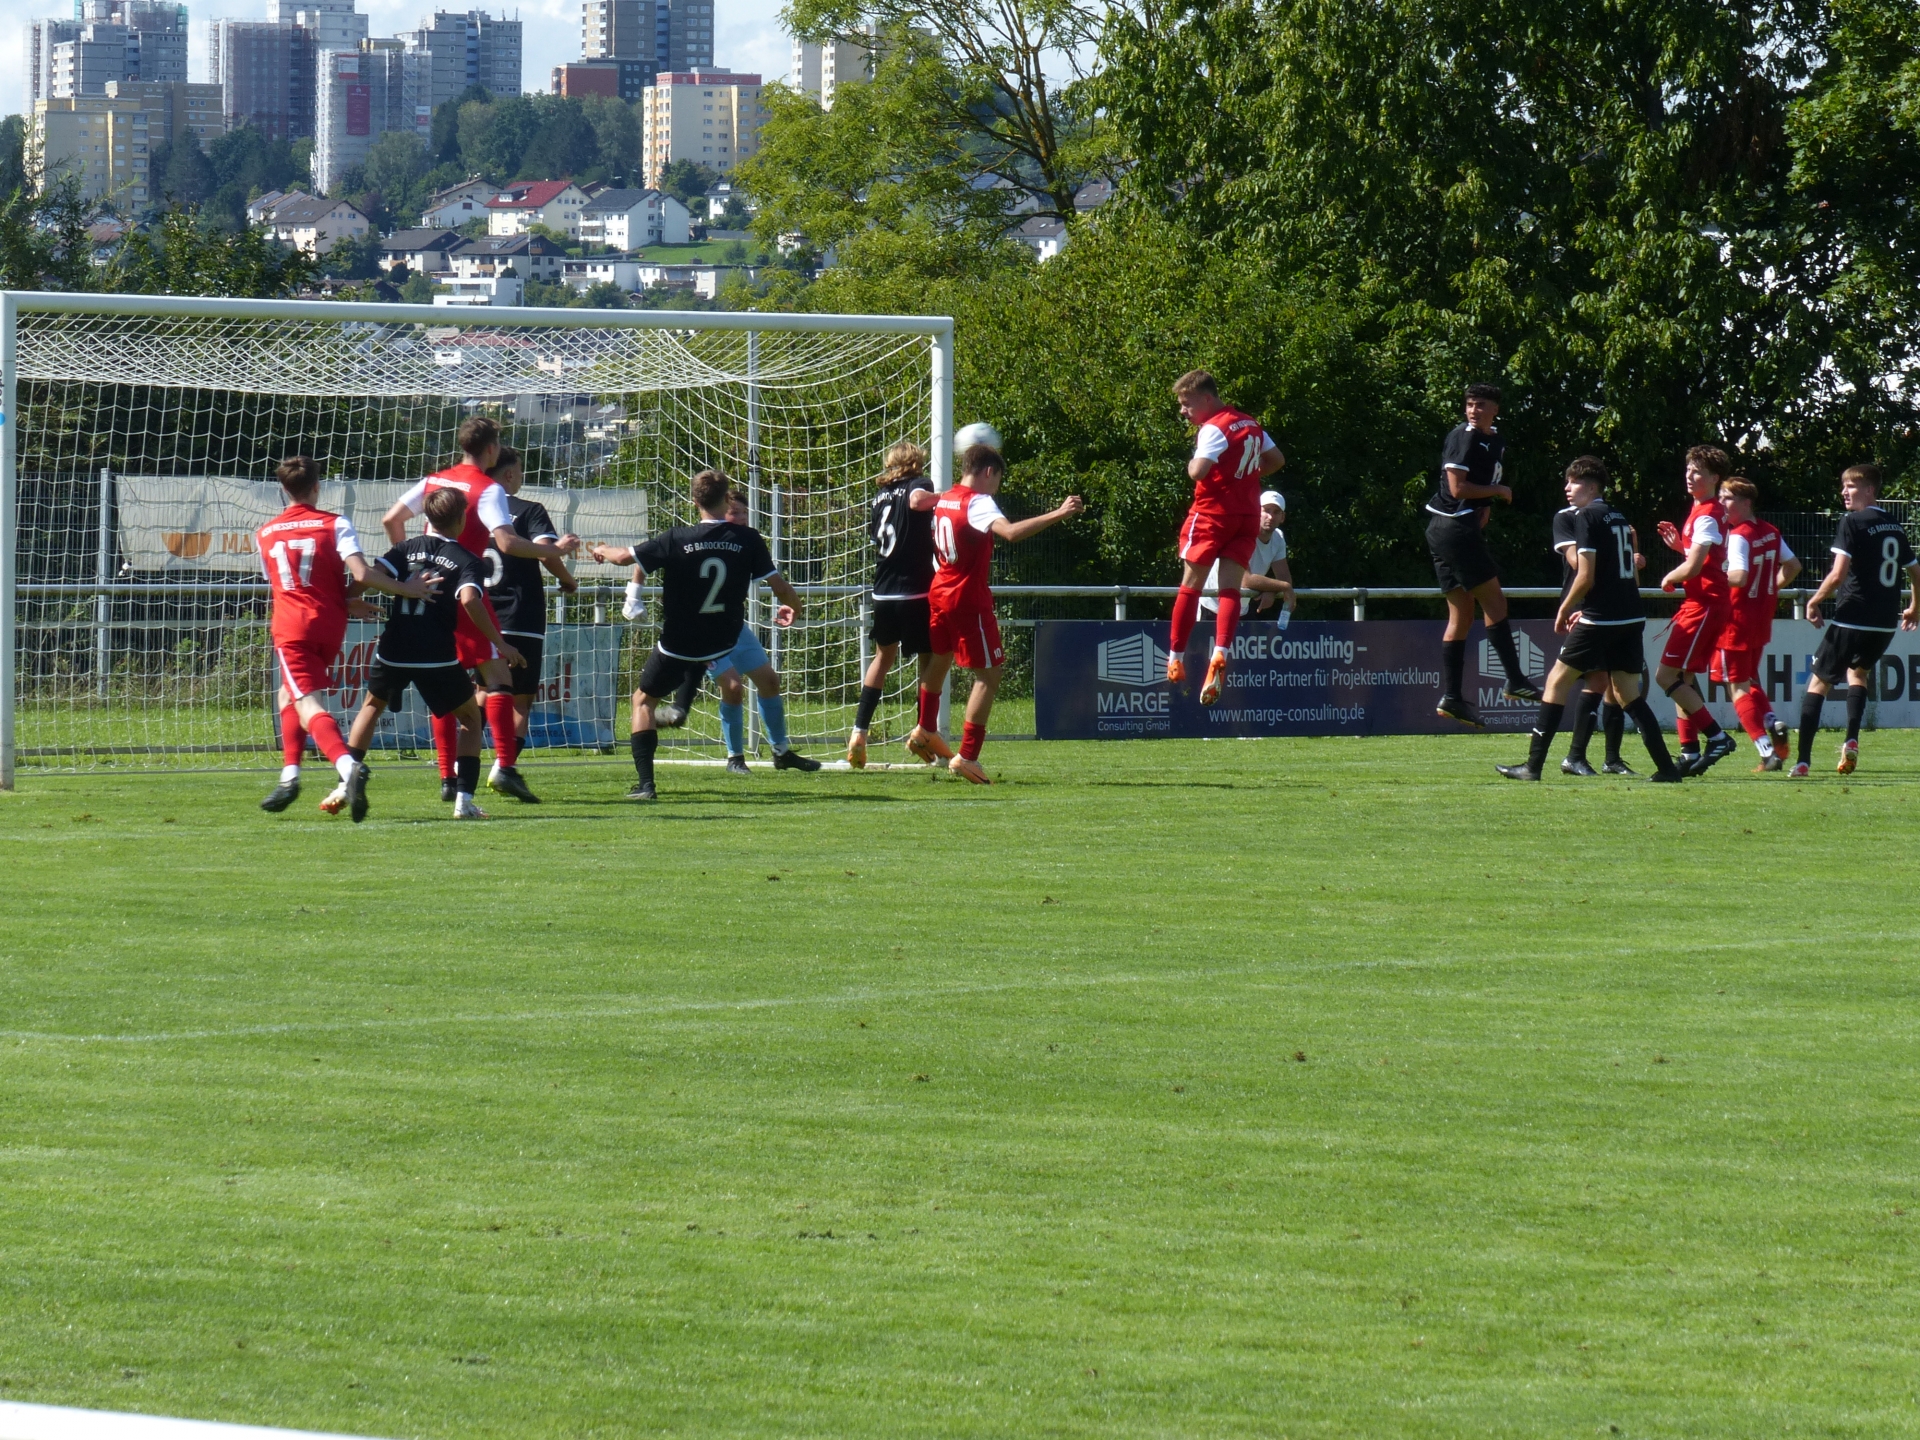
x: 311, y: 557
x: 1758, y: 564
x: 489, y: 522
x: 961, y: 625
x: 1697, y: 624
x: 1232, y: 458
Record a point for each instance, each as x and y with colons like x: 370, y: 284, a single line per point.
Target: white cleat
x: 336, y: 800
x: 465, y: 809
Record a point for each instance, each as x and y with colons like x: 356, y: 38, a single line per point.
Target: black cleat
x: 737, y: 765
x: 1718, y: 748
x: 669, y: 717
x: 1524, y: 691
x: 642, y: 790
x: 1617, y: 767
x: 794, y: 760
x: 1571, y: 766
x: 284, y: 794
x: 1518, y: 772
x: 1671, y: 776
x: 449, y: 788
x: 1452, y: 707
x: 505, y: 780
x: 357, y: 793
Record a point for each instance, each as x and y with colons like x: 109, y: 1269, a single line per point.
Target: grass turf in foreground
x: 1296, y: 1087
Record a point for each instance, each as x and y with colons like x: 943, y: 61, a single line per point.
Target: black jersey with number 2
x: 1606, y: 534
x: 902, y: 541
x: 705, y: 572
x: 514, y: 582
x: 420, y: 632
x: 1878, y: 553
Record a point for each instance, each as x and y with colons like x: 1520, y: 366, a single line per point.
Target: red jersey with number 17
x: 963, y: 542
x: 1706, y: 525
x: 304, y: 553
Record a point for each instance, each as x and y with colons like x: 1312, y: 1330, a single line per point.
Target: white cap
x: 1273, y: 498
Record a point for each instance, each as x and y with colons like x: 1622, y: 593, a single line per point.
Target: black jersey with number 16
x: 1878, y: 553
x: 902, y: 541
x: 419, y: 633
x: 705, y: 572
x: 514, y: 582
x: 1606, y: 534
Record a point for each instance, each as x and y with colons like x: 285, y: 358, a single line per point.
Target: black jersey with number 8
x: 705, y: 572
x: 1878, y: 553
x: 902, y: 541
x: 1606, y: 534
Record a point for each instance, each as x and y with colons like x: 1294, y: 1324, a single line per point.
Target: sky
x: 747, y: 34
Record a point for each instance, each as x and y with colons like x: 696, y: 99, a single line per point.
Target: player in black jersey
x: 1603, y: 620
x: 901, y: 527
x: 417, y: 648
x: 1597, y: 699
x: 1470, y: 468
x: 519, y: 597
x: 705, y: 572
x: 1870, y: 552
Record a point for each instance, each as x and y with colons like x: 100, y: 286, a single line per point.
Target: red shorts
x: 306, y: 666
x: 1209, y: 535
x: 470, y: 647
x: 1692, y: 636
x: 1734, y: 667
x: 971, y: 636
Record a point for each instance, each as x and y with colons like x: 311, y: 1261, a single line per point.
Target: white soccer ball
x: 978, y: 433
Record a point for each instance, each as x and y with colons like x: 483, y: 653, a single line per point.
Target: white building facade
x: 712, y: 118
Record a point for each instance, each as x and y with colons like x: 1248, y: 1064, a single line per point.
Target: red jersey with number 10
x: 303, y: 551
x: 963, y: 542
x: 1232, y: 486
x: 1706, y: 525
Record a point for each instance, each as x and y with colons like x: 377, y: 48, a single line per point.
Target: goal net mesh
x: 145, y: 455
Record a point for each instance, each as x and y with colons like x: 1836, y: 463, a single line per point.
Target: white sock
x: 345, y: 765
x: 289, y: 774
x: 1765, y: 746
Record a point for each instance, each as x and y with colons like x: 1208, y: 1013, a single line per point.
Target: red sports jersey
x: 1757, y: 548
x: 963, y: 542
x: 303, y: 551
x: 1235, y: 446
x: 486, y: 503
x: 1707, y: 525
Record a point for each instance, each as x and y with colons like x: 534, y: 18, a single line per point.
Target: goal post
x: 139, y: 436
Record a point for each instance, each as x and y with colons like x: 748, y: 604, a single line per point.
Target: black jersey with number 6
x: 1606, y: 534
x: 420, y: 632
x: 514, y: 582
x: 902, y: 541
x: 1878, y: 554
x: 705, y: 572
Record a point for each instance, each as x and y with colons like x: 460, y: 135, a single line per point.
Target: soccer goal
x: 139, y: 436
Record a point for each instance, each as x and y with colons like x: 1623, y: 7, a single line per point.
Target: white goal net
x: 139, y: 442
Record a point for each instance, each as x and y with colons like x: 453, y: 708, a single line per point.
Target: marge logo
x: 188, y: 546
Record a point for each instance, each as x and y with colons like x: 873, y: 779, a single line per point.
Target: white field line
x: 57, y: 1422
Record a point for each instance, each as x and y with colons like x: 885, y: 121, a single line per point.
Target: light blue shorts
x: 747, y: 655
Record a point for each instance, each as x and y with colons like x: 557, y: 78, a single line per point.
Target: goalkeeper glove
x: 635, y: 606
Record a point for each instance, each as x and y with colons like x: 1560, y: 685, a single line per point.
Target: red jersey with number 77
x: 1759, y: 549
x: 963, y: 544
x: 304, y: 553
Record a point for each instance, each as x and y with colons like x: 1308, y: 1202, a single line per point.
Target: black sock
x: 689, y: 688
x: 359, y: 752
x: 1453, y: 665
x: 1856, y: 710
x: 644, y: 743
x: 466, y: 773
x: 1544, y: 729
x: 1613, y: 725
x: 869, y: 702
x: 1705, y: 723
x: 1501, y: 633
x: 1649, y: 726
x: 1810, y: 705
x: 1585, y: 710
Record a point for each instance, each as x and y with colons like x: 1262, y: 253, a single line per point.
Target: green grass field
x: 1301, y: 1088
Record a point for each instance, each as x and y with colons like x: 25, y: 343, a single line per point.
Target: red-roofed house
x: 553, y: 203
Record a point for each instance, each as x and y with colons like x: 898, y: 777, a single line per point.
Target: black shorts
x: 662, y: 673
x: 1606, y: 647
x: 902, y: 623
x: 1461, y: 559
x: 1843, y: 648
x: 525, y: 679
x: 444, y: 688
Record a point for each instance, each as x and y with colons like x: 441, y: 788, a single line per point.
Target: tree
x: 562, y: 143
x: 45, y: 242
x: 494, y: 137
x: 395, y: 165
x: 181, y: 257
x: 13, y: 149
x: 180, y: 172
x: 445, y: 145
x: 616, y: 131
x: 687, y: 182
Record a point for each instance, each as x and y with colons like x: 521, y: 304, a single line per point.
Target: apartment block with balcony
x: 712, y: 118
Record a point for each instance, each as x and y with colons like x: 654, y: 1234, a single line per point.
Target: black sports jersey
x: 1479, y: 455
x: 420, y: 632
x: 705, y: 572
x: 1606, y: 534
x: 902, y: 541
x: 1566, y: 540
x: 514, y: 582
x: 1878, y: 552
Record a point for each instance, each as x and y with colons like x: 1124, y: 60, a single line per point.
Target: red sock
x: 929, y: 709
x: 502, y: 720
x: 446, y: 740
x: 293, y: 740
x: 1225, y: 622
x: 1752, y: 710
x: 326, y: 734
x: 972, y: 737
x: 1186, y: 609
x: 1682, y: 727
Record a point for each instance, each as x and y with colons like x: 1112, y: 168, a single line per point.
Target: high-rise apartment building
x: 820, y: 69
x: 333, y: 24
x: 689, y: 35
x: 361, y: 95
x: 466, y: 48
x: 265, y: 70
x: 709, y: 117
x: 106, y: 141
x: 106, y: 40
x: 673, y: 34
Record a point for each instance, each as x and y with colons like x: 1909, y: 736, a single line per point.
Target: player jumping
x: 961, y: 625
x: 312, y: 557
x: 1870, y: 550
x: 901, y: 526
x: 1703, y: 614
x: 1232, y: 454
x: 1268, y: 575
x: 1758, y: 564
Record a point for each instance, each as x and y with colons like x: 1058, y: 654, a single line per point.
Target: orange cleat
x: 929, y: 745
x: 336, y: 802
x: 1216, y: 676
x: 1849, y: 757
x: 968, y: 770
x: 857, y: 750
x: 1176, y: 670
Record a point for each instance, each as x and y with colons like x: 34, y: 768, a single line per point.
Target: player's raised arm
x: 613, y: 555
x: 401, y: 511
x: 423, y: 586
x: 1014, y: 531
x: 790, y: 602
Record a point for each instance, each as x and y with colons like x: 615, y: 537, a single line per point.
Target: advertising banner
x: 1106, y: 680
